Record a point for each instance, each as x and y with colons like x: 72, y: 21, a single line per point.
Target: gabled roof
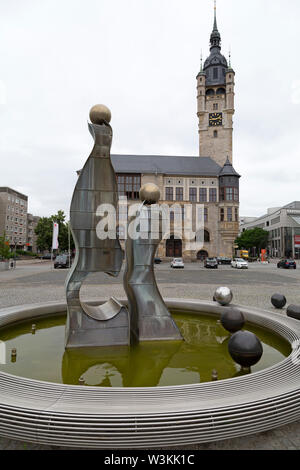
x: 166, y: 165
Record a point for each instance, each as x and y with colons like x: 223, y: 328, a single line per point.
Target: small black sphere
x: 293, y: 311
x: 232, y: 320
x: 245, y: 348
x: 278, y: 300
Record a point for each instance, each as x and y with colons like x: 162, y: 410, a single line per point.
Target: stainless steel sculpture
x: 107, y: 324
x: 110, y: 324
x: 150, y: 319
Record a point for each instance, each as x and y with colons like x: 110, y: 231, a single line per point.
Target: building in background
x: 209, y: 179
x: 187, y: 180
x: 283, y: 225
x: 13, y: 217
x: 32, y: 222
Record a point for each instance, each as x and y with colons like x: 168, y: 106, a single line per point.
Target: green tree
x: 4, y: 248
x: 254, y: 238
x: 44, y: 232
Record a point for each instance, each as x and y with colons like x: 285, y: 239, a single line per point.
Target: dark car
x: 287, y: 264
x: 223, y: 260
x: 62, y: 261
x: 211, y: 263
x: 47, y: 256
x: 157, y: 260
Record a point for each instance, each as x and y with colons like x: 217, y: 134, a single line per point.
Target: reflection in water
x: 42, y: 356
x: 140, y: 366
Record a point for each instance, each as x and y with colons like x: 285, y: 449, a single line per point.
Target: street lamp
x: 15, y: 253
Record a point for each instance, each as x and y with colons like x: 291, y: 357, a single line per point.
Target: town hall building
x: 208, y: 179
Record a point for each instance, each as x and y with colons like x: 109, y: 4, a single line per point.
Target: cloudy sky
x: 141, y: 58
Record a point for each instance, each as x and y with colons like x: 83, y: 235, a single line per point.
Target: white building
x: 283, y: 225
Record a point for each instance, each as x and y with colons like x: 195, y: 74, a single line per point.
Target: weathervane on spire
x: 215, y: 10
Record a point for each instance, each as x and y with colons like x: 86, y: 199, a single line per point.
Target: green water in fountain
x: 42, y: 356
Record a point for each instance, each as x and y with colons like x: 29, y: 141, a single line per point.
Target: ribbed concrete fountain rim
x: 97, y: 417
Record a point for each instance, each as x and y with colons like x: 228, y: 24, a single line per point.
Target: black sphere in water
x: 232, y: 320
x: 293, y: 311
x: 278, y: 300
x: 245, y: 348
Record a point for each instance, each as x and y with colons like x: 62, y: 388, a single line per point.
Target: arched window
x: 210, y: 92
x: 221, y: 91
x: 202, y: 255
x: 206, y: 236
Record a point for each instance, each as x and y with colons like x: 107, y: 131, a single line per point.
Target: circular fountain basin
x: 164, y: 398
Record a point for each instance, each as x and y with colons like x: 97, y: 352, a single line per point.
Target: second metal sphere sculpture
x: 245, y: 348
x: 278, y: 301
x: 223, y: 295
x: 149, y: 193
x: 232, y: 320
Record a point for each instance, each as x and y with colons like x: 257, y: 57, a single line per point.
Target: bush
x: 25, y: 253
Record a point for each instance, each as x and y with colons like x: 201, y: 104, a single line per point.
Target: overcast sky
x: 141, y: 58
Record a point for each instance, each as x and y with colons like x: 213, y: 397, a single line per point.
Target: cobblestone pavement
x: 37, y: 281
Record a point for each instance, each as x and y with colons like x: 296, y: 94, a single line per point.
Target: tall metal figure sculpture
x: 150, y: 319
x: 99, y: 325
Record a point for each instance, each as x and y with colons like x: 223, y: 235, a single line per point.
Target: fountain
x: 142, y: 371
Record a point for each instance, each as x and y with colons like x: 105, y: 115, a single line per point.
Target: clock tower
x: 215, y: 97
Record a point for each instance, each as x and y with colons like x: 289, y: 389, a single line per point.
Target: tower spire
x: 215, y: 38
x: 215, y: 15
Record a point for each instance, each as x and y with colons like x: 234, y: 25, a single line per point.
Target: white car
x: 239, y: 263
x: 177, y: 263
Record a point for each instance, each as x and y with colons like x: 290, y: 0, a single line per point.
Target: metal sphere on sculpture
x: 293, y: 311
x: 149, y: 193
x: 245, y: 348
x: 223, y: 295
x: 100, y: 114
x: 232, y: 320
x: 278, y: 300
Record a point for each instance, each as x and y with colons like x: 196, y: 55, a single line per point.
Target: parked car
x: 239, y: 263
x: 47, y: 256
x: 177, y: 263
x: 62, y: 261
x: 157, y: 260
x: 287, y: 264
x: 223, y: 260
x: 211, y: 263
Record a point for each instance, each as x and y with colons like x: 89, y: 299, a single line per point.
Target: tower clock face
x: 215, y: 119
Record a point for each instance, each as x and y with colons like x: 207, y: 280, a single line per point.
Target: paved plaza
x: 37, y: 281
